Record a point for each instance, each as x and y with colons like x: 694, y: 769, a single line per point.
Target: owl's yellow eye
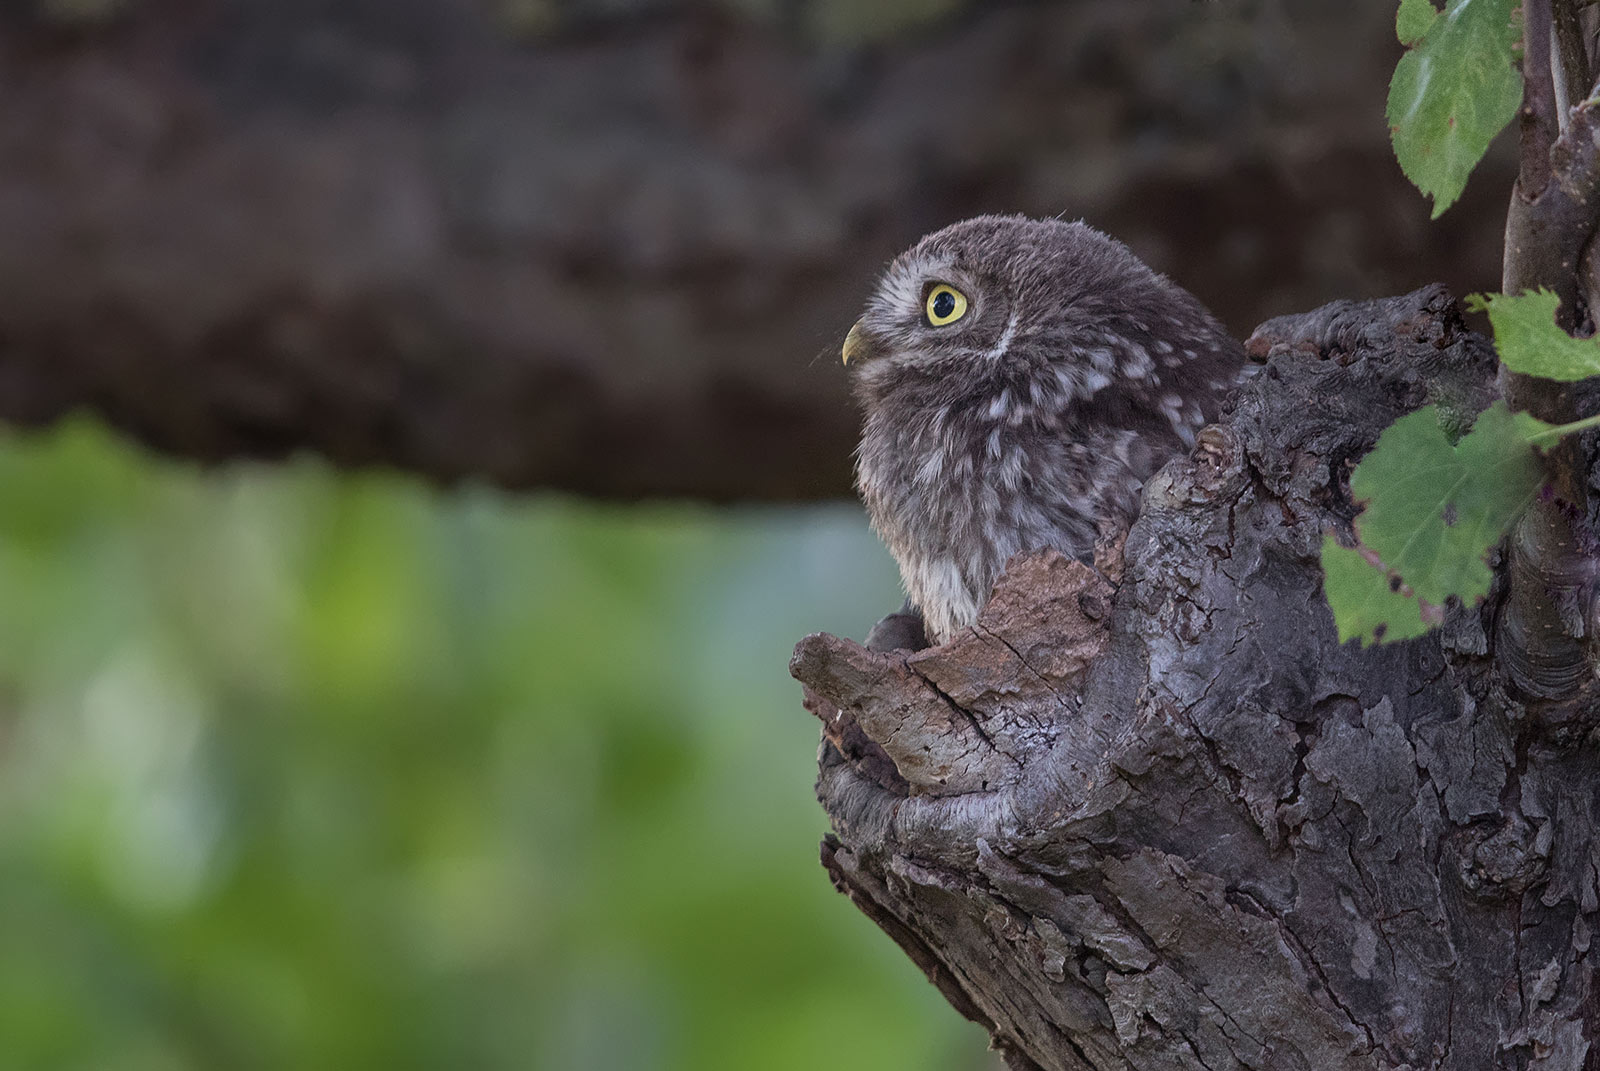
x: 945, y: 305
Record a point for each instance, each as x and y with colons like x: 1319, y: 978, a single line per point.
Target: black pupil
x: 944, y: 303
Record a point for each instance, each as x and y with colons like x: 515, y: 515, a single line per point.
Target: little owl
x: 1021, y: 379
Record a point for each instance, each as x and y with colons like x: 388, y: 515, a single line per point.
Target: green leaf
x: 1411, y: 22
x: 1368, y: 605
x: 1530, y: 342
x: 1434, y: 510
x: 1453, y: 92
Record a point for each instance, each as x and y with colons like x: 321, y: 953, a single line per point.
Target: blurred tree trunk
x: 1184, y: 828
x: 612, y: 247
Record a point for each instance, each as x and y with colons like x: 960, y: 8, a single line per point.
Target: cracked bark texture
x: 1176, y: 825
x: 606, y: 255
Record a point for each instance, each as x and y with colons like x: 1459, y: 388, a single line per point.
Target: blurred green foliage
x: 303, y: 770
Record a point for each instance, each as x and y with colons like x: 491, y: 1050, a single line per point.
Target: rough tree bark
x: 1171, y: 823
x: 1177, y: 825
x: 604, y: 256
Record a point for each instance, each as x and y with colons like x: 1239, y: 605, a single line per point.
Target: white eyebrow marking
x: 1006, y: 336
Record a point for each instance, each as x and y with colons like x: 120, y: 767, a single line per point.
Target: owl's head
x: 1007, y: 294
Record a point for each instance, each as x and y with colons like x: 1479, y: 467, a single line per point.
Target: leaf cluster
x: 1436, y: 509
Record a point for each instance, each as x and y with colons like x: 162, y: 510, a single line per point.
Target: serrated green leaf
x: 1433, y: 510
x: 1411, y: 22
x: 1367, y: 606
x: 1452, y: 93
x: 1530, y: 342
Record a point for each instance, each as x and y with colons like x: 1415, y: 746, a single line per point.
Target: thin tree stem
x: 1537, y: 126
x: 1562, y: 430
x: 1571, y: 70
x: 1542, y: 631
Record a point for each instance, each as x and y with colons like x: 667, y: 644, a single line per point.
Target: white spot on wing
x: 1101, y: 359
x: 1138, y: 364
x: 1172, y: 408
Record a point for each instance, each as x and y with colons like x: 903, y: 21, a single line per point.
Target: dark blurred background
x: 423, y: 442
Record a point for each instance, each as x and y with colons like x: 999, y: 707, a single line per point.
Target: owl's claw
x: 902, y: 630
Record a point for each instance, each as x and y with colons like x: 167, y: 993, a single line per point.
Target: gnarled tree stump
x: 1176, y: 824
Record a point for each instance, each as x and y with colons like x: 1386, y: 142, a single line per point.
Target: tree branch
x: 1570, y: 66
x: 1537, y: 124
x: 617, y: 257
x: 1549, y: 243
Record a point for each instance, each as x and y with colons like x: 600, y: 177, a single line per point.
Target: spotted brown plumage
x: 1021, y: 379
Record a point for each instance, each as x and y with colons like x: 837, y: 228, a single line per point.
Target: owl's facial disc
x: 934, y: 312
x: 942, y: 305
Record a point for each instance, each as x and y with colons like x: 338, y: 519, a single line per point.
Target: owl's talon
x: 902, y: 630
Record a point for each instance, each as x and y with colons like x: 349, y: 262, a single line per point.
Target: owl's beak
x: 857, y: 347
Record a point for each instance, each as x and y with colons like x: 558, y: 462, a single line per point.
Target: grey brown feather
x: 1033, y: 420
